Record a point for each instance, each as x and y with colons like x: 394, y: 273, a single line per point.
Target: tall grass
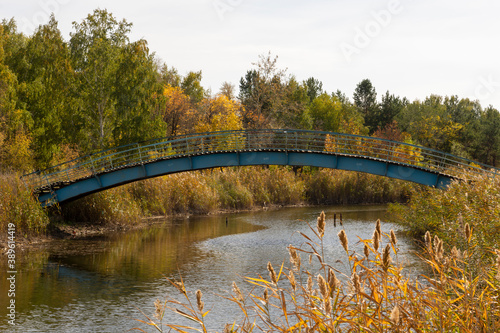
x: 373, y: 296
x: 114, y: 206
x: 475, y: 201
x: 208, y: 191
x: 18, y: 206
x: 327, y: 186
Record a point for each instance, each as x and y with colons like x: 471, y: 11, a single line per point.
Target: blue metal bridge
x: 125, y: 164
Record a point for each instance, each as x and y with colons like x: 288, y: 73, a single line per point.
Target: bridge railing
x: 250, y: 140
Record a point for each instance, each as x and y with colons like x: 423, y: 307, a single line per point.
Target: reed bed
x: 372, y: 296
x: 207, y: 191
x: 475, y: 200
x: 19, y: 207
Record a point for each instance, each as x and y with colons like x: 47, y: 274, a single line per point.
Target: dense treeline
x: 60, y: 99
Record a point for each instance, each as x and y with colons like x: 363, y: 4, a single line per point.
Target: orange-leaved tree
x: 178, y: 113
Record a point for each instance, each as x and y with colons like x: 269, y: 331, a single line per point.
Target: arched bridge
x: 125, y: 164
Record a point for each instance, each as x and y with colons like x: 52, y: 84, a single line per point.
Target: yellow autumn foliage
x: 220, y: 114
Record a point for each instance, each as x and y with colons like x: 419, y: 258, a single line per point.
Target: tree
x: 227, y: 89
x: 136, y: 92
x: 262, y: 93
x: 429, y: 123
x: 326, y: 113
x: 96, y: 54
x: 295, y: 112
x: 219, y: 114
x: 488, y: 143
x: 314, y: 88
x: 178, y: 112
x: 47, y: 84
x: 351, y: 121
x: 365, y: 99
x: 390, y: 107
x: 191, y: 85
x: 170, y: 76
x: 15, y: 123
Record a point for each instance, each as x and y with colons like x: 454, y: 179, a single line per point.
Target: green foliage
x: 488, y: 137
x: 45, y: 91
x: 96, y: 55
x: 191, y: 86
x: 365, y: 99
x: 314, y: 88
x: 325, y: 111
x: 137, y: 86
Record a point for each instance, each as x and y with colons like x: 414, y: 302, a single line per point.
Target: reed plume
x: 378, y: 227
x: 467, y: 232
x: 323, y: 287
x: 309, y: 284
x: 376, y: 240
x: 386, y: 258
x: 294, y: 257
x: 394, y: 240
x: 428, y: 242
x: 272, y: 273
x: 356, y: 283
x: 343, y: 240
x: 333, y: 282
x: 366, y: 251
x: 395, y: 316
x: 237, y: 291
x: 199, y: 301
x: 321, y: 224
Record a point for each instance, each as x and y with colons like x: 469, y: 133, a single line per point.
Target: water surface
x: 98, y: 284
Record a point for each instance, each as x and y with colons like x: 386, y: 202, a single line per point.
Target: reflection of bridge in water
x: 125, y: 164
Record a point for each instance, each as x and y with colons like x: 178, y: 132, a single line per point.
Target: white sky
x: 411, y: 48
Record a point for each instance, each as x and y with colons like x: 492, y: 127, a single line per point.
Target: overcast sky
x: 412, y: 48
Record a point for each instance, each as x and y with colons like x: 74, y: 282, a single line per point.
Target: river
x: 102, y: 284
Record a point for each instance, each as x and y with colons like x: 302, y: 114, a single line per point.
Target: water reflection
x: 107, y: 267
